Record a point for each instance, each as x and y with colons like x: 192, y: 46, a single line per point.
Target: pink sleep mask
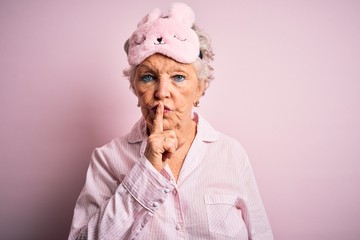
x: 170, y: 35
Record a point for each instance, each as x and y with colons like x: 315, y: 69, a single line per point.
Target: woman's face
x: 161, y: 79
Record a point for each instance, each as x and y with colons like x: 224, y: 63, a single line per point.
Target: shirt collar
x: 138, y: 132
x: 204, y: 130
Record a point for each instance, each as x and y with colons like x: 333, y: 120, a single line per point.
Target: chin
x: 169, y: 124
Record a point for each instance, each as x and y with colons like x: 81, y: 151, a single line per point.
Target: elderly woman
x: 172, y: 176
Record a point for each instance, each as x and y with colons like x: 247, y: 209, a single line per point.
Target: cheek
x: 185, y: 101
x: 144, y: 97
x: 141, y: 92
x: 190, y: 94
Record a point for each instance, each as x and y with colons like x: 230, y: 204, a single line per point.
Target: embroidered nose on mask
x: 159, y: 39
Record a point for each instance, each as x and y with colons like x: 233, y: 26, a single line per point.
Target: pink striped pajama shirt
x: 215, y: 196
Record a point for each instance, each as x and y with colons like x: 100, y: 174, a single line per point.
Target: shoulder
x: 209, y: 134
x: 226, y: 154
x: 231, y: 144
x: 219, y: 141
x: 111, y: 152
x: 124, y: 146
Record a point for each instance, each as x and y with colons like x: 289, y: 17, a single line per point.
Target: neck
x: 187, y: 132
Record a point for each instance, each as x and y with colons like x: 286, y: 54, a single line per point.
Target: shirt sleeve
x: 109, y: 208
x: 254, y: 213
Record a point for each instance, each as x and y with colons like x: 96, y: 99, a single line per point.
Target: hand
x: 161, y: 144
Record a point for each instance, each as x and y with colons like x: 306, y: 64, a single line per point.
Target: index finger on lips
x: 158, y: 121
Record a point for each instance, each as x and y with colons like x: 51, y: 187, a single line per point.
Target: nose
x: 162, y: 90
x: 159, y: 39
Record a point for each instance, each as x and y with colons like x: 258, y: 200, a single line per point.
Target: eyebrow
x: 145, y: 68
x: 179, y: 69
x: 150, y: 68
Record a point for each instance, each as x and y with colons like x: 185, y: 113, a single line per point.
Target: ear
x: 132, y: 87
x: 126, y: 46
x: 201, y: 89
x: 182, y: 13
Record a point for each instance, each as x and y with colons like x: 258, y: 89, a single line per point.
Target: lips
x: 166, y: 109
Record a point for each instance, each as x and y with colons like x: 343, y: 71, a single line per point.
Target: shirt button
x: 155, y: 204
x: 178, y: 227
x: 166, y: 190
x: 174, y: 191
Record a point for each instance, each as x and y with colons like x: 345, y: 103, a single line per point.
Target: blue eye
x: 179, y: 78
x: 147, y: 78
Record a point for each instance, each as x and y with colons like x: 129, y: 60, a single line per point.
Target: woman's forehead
x: 159, y: 61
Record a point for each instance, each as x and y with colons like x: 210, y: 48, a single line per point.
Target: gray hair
x: 203, y: 67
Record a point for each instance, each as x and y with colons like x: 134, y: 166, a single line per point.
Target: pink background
x: 287, y: 87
